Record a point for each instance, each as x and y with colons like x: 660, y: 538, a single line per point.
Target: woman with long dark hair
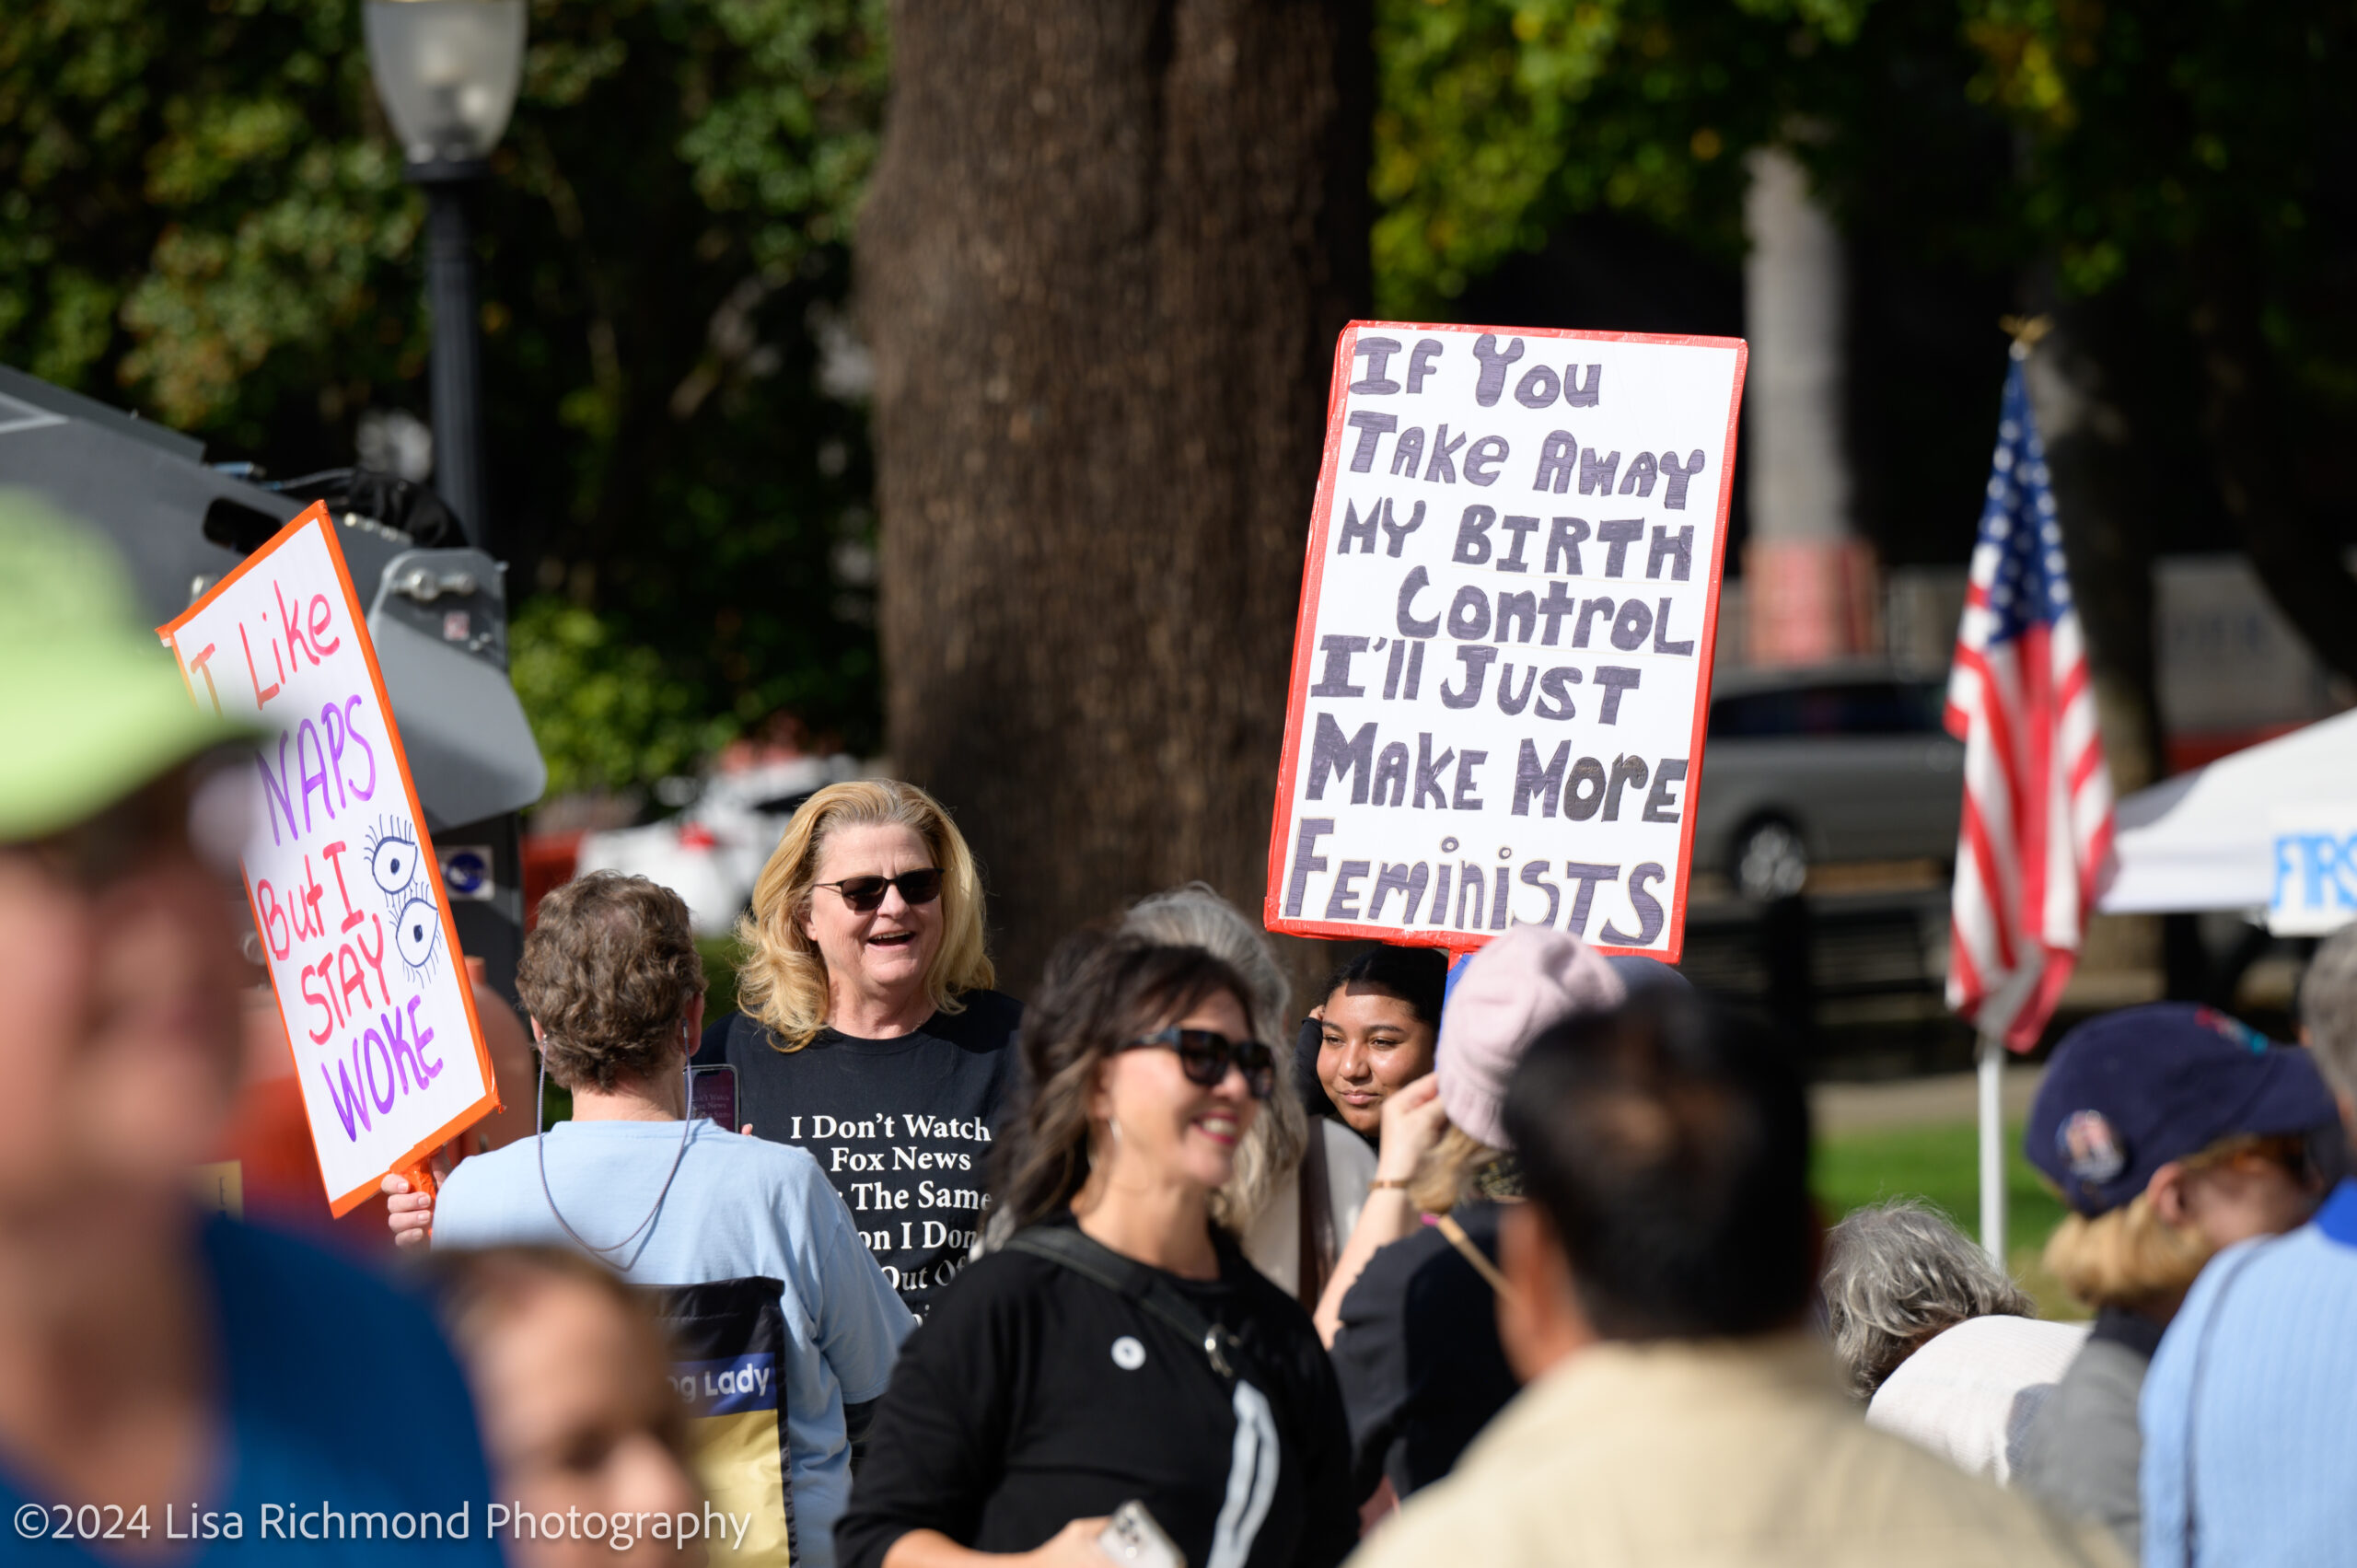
x: 1119, y: 1349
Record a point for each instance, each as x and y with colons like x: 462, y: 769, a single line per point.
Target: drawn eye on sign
x: 417, y: 932
x: 392, y: 857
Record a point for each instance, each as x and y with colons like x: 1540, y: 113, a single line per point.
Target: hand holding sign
x: 1501, y: 668
x: 341, y: 875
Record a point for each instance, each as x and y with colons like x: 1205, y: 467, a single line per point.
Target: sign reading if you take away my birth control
x: 1502, y: 672
x: 346, y: 895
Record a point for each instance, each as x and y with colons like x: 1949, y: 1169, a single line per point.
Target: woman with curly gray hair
x: 1938, y: 1339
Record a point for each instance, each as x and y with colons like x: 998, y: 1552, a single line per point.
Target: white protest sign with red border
x: 340, y: 873
x: 1502, y: 670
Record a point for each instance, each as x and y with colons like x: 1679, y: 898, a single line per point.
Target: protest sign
x: 1502, y: 670
x: 346, y: 895
x: 2315, y: 890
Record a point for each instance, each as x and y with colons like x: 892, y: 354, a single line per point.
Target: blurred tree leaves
x: 202, y: 216
x: 607, y: 712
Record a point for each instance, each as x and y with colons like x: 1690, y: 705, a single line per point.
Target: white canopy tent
x: 2206, y: 839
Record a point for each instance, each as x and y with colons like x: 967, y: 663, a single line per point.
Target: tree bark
x: 2294, y: 551
x: 2103, y: 499
x: 1105, y: 253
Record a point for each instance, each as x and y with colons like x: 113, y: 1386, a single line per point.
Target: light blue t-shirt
x: 738, y: 1207
x: 2258, y: 1373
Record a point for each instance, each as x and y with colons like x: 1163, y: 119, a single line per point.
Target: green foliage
x: 203, y: 216
x: 2156, y: 139
x: 2111, y: 142
x: 1498, y: 119
x: 605, y: 711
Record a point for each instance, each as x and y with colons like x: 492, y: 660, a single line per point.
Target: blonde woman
x: 2173, y: 1132
x: 867, y: 1031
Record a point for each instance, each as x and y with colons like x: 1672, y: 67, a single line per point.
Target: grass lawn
x: 1940, y: 1162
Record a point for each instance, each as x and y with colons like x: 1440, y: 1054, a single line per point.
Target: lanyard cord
x: 540, y: 1147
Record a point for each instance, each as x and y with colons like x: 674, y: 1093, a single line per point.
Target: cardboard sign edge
x: 490, y: 1104
x: 1305, y: 622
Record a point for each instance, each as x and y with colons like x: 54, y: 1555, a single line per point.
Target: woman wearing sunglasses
x: 1118, y: 1349
x: 867, y: 1031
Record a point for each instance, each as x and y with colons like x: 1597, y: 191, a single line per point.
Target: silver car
x: 1805, y: 767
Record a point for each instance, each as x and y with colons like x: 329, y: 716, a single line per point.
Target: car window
x: 1850, y: 707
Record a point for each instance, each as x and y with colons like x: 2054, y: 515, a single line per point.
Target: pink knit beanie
x: 1512, y: 991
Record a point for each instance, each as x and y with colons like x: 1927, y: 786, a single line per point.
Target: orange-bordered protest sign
x: 340, y: 870
x: 1502, y: 669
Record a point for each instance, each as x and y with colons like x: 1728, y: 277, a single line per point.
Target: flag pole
x: 1992, y: 1147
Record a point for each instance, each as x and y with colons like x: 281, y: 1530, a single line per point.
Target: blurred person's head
x: 119, y: 1034
x: 1132, y: 1074
x: 1378, y: 1025
x: 2171, y: 1130
x: 1665, y: 1150
x: 1895, y: 1275
x: 1510, y: 993
x: 1194, y: 915
x: 571, y: 1384
x: 872, y: 892
x: 2329, y: 1017
x: 612, y: 981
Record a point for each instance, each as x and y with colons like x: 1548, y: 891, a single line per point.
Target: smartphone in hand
x: 1131, y: 1536
x: 712, y: 1092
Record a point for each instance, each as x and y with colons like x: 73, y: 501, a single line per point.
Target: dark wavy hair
x: 607, y: 971
x: 1100, y: 991
x: 1418, y: 976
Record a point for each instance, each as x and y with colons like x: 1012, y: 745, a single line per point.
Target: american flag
x: 2035, y: 847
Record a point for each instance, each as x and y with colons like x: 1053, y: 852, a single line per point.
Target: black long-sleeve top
x: 1033, y: 1396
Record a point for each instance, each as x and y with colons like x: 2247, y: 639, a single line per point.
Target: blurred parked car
x: 711, y: 853
x: 1811, y: 766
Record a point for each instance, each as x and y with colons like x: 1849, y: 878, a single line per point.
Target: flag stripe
x: 2034, y: 845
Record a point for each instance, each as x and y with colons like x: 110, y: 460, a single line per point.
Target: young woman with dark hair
x: 1118, y: 1349
x: 1373, y: 1033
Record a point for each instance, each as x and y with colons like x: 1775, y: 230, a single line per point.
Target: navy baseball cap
x: 2127, y: 1092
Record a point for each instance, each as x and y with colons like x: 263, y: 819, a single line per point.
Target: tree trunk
x: 1105, y: 256
x: 2295, y: 551
x: 2102, y: 498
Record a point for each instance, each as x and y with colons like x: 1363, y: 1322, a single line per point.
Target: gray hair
x: 1897, y: 1274
x: 2329, y: 1009
x: 1194, y: 915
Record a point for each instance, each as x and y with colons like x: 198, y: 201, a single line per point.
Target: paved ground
x: 1906, y: 1102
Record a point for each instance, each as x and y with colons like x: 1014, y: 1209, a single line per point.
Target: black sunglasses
x: 1205, y: 1056
x: 867, y: 893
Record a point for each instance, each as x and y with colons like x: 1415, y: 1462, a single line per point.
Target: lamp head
x: 447, y: 71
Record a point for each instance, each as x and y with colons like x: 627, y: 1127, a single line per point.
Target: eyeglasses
x: 865, y: 894
x: 1205, y: 1056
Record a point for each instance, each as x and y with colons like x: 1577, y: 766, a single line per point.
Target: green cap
x: 92, y: 704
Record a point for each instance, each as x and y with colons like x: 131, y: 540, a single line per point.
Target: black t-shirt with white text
x: 1035, y: 1396
x: 902, y: 1127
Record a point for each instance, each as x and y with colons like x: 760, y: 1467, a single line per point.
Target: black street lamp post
x: 456, y: 363
x: 447, y: 71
